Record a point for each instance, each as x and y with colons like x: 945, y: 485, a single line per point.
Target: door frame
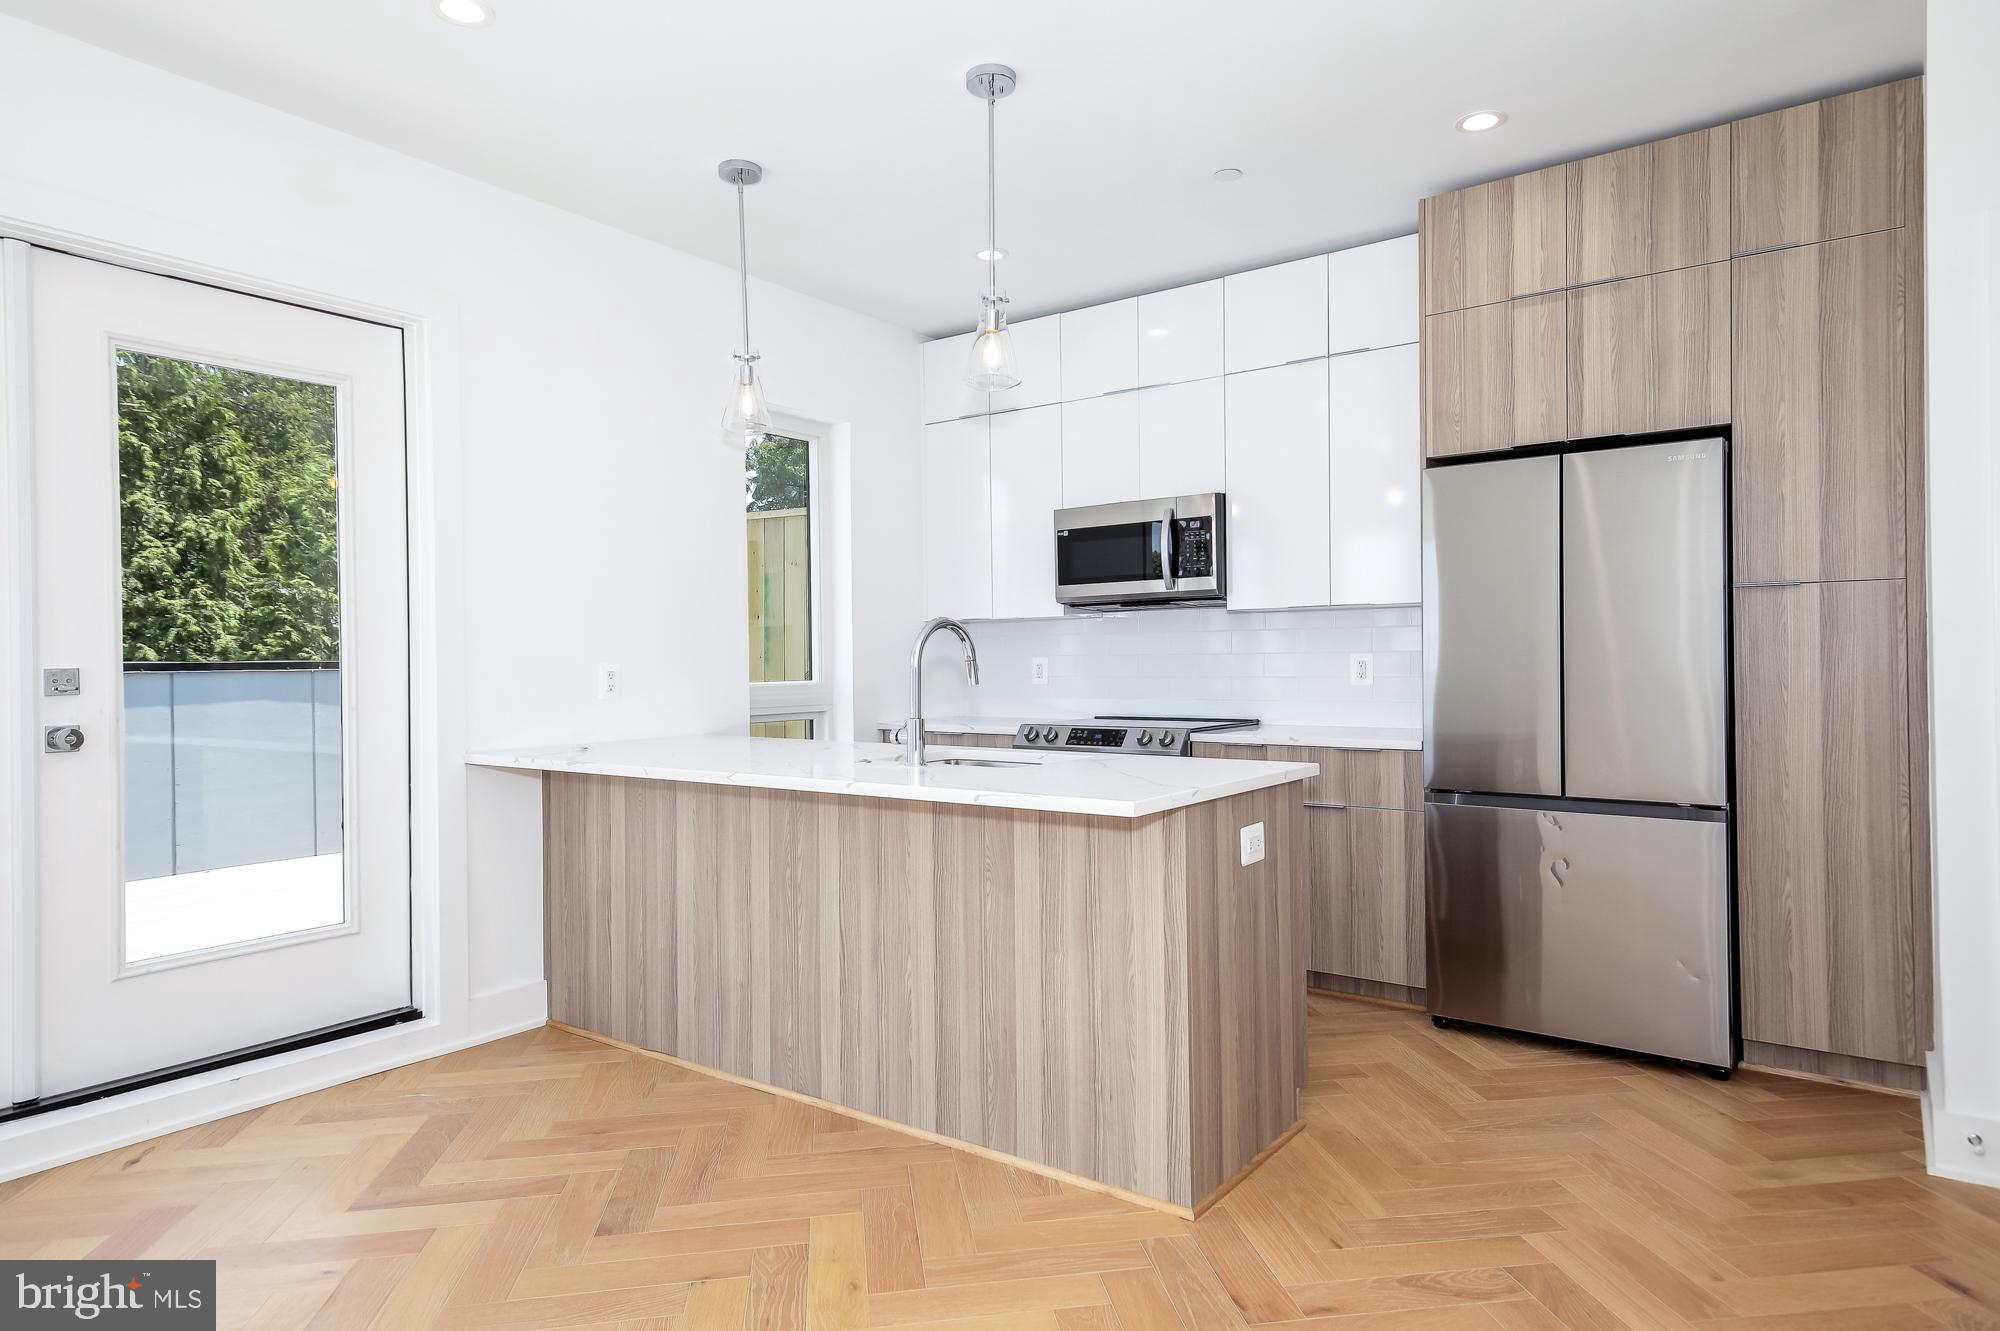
x: 429, y: 320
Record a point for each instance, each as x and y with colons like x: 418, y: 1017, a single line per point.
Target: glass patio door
x: 219, y: 613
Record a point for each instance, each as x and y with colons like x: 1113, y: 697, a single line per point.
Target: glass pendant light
x: 991, y: 366
x: 747, y: 418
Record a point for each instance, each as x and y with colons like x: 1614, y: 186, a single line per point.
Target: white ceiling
x: 1339, y: 112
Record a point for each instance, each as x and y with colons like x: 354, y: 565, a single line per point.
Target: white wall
x: 570, y: 378
x: 1962, y: 223
x: 1287, y: 665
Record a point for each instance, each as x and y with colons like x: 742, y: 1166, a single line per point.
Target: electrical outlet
x: 608, y: 679
x: 1038, y: 670
x: 1361, y: 669
x: 1251, y: 841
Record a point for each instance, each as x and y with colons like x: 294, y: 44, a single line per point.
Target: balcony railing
x: 230, y: 764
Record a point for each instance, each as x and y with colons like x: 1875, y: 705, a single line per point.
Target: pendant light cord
x: 992, y: 249
x: 743, y: 262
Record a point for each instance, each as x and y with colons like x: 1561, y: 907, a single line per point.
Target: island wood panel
x: 1022, y: 981
x: 1246, y: 990
x: 1494, y: 376
x: 1825, y: 919
x: 1365, y: 892
x: 1820, y: 383
x: 1836, y: 167
x: 1650, y: 208
x: 1650, y: 353
x: 1492, y: 242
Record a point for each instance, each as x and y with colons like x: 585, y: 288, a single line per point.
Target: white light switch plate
x: 1038, y: 670
x: 1361, y: 669
x: 1251, y: 839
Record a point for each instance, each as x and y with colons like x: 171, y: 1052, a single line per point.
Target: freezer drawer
x: 1605, y: 928
x: 1645, y: 656
x: 1493, y: 626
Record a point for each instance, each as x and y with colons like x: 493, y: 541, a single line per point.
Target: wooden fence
x: 780, y: 595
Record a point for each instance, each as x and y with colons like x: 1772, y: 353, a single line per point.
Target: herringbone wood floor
x: 1446, y: 1180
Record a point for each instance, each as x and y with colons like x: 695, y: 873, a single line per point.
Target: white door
x: 219, y: 572
x: 1100, y: 350
x: 957, y: 519
x: 1180, y: 439
x: 1100, y: 450
x: 1375, y: 477
x: 1275, y: 451
x: 1274, y: 316
x: 1027, y: 448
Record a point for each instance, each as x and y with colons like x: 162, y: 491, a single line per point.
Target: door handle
x: 62, y: 739
x: 1781, y: 582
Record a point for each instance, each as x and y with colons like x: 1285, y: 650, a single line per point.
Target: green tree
x: 777, y: 474
x: 228, y: 506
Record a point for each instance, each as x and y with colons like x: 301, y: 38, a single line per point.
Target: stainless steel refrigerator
x: 1576, y: 754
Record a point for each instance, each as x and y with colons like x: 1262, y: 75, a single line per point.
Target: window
x: 789, y: 689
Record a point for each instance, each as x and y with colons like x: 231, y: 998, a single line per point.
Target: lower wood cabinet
x: 1827, y: 916
x: 1365, y: 894
x: 1364, y: 859
x: 1493, y: 376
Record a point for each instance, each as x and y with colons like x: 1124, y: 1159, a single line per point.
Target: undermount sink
x: 981, y: 762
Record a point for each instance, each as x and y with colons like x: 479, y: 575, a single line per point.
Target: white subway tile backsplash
x: 1281, y: 666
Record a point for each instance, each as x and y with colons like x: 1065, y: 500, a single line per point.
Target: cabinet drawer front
x: 1650, y: 208
x: 1650, y: 353
x: 1826, y: 914
x: 1494, y: 377
x: 1363, y: 778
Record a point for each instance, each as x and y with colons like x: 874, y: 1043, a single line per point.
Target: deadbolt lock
x: 62, y: 739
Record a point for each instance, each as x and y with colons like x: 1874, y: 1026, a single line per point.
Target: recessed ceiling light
x: 990, y: 256
x: 465, y: 13
x: 1481, y: 121
x: 1158, y: 332
x: 1229, y: 173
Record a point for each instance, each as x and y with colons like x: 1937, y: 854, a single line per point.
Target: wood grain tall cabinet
x: 1767, y: 276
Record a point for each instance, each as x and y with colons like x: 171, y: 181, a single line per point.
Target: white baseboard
x: 1948, y: 1138
x: 60, y: 1136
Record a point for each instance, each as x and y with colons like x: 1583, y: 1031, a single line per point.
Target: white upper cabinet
x: 1027, y: 491
x: 1274, y: 316
x: 946, y: 398
x: 1038, y: 357
x: 1180, y: 335
x: 957, y: 520
x: 1100, y: 450
x: 1180, y: 439
x: 1377, y: 476
x: 1100, y: 350
x: 1371, y: 296
x: 1276, y: 450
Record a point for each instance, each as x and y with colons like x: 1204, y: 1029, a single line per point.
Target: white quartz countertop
x: 1110, y: 785
x: 1273, y: 732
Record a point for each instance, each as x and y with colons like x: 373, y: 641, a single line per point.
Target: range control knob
x: 1145, y: 738
x: 1048, y: 734
x: 1166, y: 739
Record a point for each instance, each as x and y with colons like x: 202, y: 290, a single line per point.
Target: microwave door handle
x: 1167, y: 550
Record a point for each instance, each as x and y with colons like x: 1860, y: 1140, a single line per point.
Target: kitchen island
x: 1064, y: 962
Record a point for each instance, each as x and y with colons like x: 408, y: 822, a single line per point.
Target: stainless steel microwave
x: 1147, y: 552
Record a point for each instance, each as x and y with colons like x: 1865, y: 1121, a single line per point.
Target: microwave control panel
x: 1194, y: 547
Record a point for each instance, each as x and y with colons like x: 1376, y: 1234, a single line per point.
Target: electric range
x: 1162, y: 736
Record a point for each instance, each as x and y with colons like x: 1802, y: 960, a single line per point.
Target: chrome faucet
x: 913, y: 729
